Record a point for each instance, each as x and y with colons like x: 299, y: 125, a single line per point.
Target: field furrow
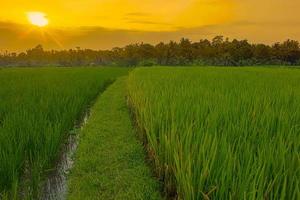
x: 110, y: 162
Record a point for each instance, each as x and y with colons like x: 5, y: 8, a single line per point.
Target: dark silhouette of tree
x: 218, y: 51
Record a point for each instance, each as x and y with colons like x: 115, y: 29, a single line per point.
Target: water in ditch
x: 55, y: 186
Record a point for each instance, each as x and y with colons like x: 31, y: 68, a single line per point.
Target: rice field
x: 37, y: 109
x: 210, y: 133
x: 221, y: 133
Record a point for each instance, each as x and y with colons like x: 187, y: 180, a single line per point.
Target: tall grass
x: 37, y: 108
x: 221, y: 133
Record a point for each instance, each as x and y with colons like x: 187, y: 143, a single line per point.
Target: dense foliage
x: 219, y: 51
x: 221, y: 133
x: 37, y: 108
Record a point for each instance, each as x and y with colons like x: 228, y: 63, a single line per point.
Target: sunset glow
x: 110, y: 23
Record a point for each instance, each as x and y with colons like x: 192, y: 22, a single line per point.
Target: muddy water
x: 55, y: 186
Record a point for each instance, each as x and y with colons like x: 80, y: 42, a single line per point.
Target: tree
x: 218, y: 51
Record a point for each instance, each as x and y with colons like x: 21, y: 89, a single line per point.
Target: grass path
x: 110, y: 161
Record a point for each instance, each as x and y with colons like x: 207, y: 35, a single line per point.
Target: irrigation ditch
x: 54, y: 186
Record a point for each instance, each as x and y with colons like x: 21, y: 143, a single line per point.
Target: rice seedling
x: 221, y: 133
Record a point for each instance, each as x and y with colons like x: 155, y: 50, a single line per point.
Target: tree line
x: 216, y: 52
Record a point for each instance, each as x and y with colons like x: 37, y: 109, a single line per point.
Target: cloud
x: 147, y: 22
x: 137, y: 14
x: 143, y: 18
x: 17, y: 37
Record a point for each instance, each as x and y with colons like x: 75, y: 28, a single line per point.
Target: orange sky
x: 102, y: 24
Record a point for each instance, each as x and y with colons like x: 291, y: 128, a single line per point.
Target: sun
x: 38, y: 19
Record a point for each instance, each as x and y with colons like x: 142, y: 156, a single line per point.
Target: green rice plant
x: 221, y: 133
x: 37, y: 108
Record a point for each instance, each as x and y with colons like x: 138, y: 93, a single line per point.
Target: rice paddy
x: 209, y: 132
x: 221, y: 133
x: 37, y: 109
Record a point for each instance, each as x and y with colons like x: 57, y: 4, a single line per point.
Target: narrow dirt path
x: 110, y: 161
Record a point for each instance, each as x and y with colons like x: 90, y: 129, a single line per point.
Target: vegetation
x: 221, y: 133
x: 37, y: 108
x: 110, y: 163
x: 219, y: 51
x: 212, y: 133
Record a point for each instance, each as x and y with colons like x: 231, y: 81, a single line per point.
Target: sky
x: 104, y: 24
